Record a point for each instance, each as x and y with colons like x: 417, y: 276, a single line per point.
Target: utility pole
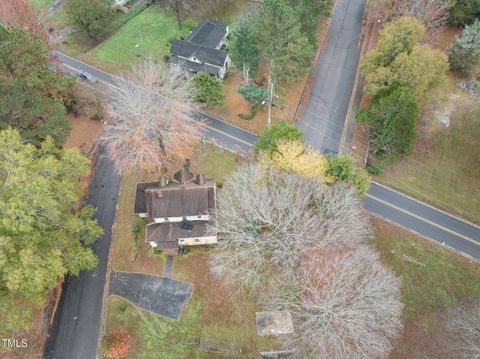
x: 270, y: 99
x: 177, y: 11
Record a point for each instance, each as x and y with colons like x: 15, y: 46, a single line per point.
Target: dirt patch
x: 443, y: 37
x: 286, y: 98
x: 84, y: 132
x: 285, y: 102
x: 194, y: 268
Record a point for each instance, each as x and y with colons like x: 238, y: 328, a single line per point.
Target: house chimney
x: 200, y: 178
x: 163, y: 181
x: 184, y: 175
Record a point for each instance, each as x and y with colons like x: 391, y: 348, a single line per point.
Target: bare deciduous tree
x: 151, y: 119
x: 464, y: 332
x: 345, y: 304
x: 22, y: 14
x: 269, y: 219
x: 184, y: 8
x: 432, y: 13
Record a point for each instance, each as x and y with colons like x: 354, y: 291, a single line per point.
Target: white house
x: 202, y: 50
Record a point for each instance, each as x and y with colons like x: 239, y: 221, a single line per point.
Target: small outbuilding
x: 274, y: 323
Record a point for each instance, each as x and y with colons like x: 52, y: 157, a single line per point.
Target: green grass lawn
x: 42, y: 5
x: 154, y: 337
x: 445, y: 168
x: 438, y: 281
x: 214, y: 162
x: 149, y: 33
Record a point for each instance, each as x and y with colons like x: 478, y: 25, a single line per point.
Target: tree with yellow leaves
x: 293, y: 156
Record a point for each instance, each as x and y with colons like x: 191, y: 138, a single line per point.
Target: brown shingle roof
x: 166, y: 234
x: 180, y: 200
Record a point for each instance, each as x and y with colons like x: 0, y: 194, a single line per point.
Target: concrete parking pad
x: 163, y: 296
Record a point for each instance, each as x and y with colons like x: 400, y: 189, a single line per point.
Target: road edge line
x: 458, y: 218
x: 106, y: 287
x: 457, y: 251
x: 363, y: 47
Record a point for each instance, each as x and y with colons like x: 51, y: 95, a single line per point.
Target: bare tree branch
x: 464, y: 332
x: 433, y: 13
x: 269, y: 219
x: 345, y: 304
x: 152, y: 121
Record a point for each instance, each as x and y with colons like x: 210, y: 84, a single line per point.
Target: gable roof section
x: 179, y: 200
x: 166, y: 235
x: 208, y: 33
x: 205, y: 54
x: 140, y: 206
x: 194, y: 66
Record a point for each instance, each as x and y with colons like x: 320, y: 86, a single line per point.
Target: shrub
x: 374, y: 170
x: 256, y: 96
x: 343, y: 168
x: 122, y: 308
x: 267, y: 141
x: 464, y: 55
x: 464, y: 12
x: 136, y: 228
x: 209, y: 90
x: 97, y: 116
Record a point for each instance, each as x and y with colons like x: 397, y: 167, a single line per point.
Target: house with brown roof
x: 178, y: 210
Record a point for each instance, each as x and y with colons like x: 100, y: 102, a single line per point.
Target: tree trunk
x: 246, y: 72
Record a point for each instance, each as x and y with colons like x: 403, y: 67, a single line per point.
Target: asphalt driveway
x: 163, y: 296
x: 74, y: 333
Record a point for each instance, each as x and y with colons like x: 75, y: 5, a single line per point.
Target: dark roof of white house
x: 203, y: 54
x: 208, y: 33
x: 198, y: 52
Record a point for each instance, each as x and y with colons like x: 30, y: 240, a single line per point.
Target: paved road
x: 380, y: 201
x: 225, y: 135
x: 75, y: 332
x: 324, y: 116
x: 82, y: 298
x: 416, y: 216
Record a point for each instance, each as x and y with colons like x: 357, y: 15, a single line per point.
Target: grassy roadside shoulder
x: 445, y: 167
x: 433, y: 281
